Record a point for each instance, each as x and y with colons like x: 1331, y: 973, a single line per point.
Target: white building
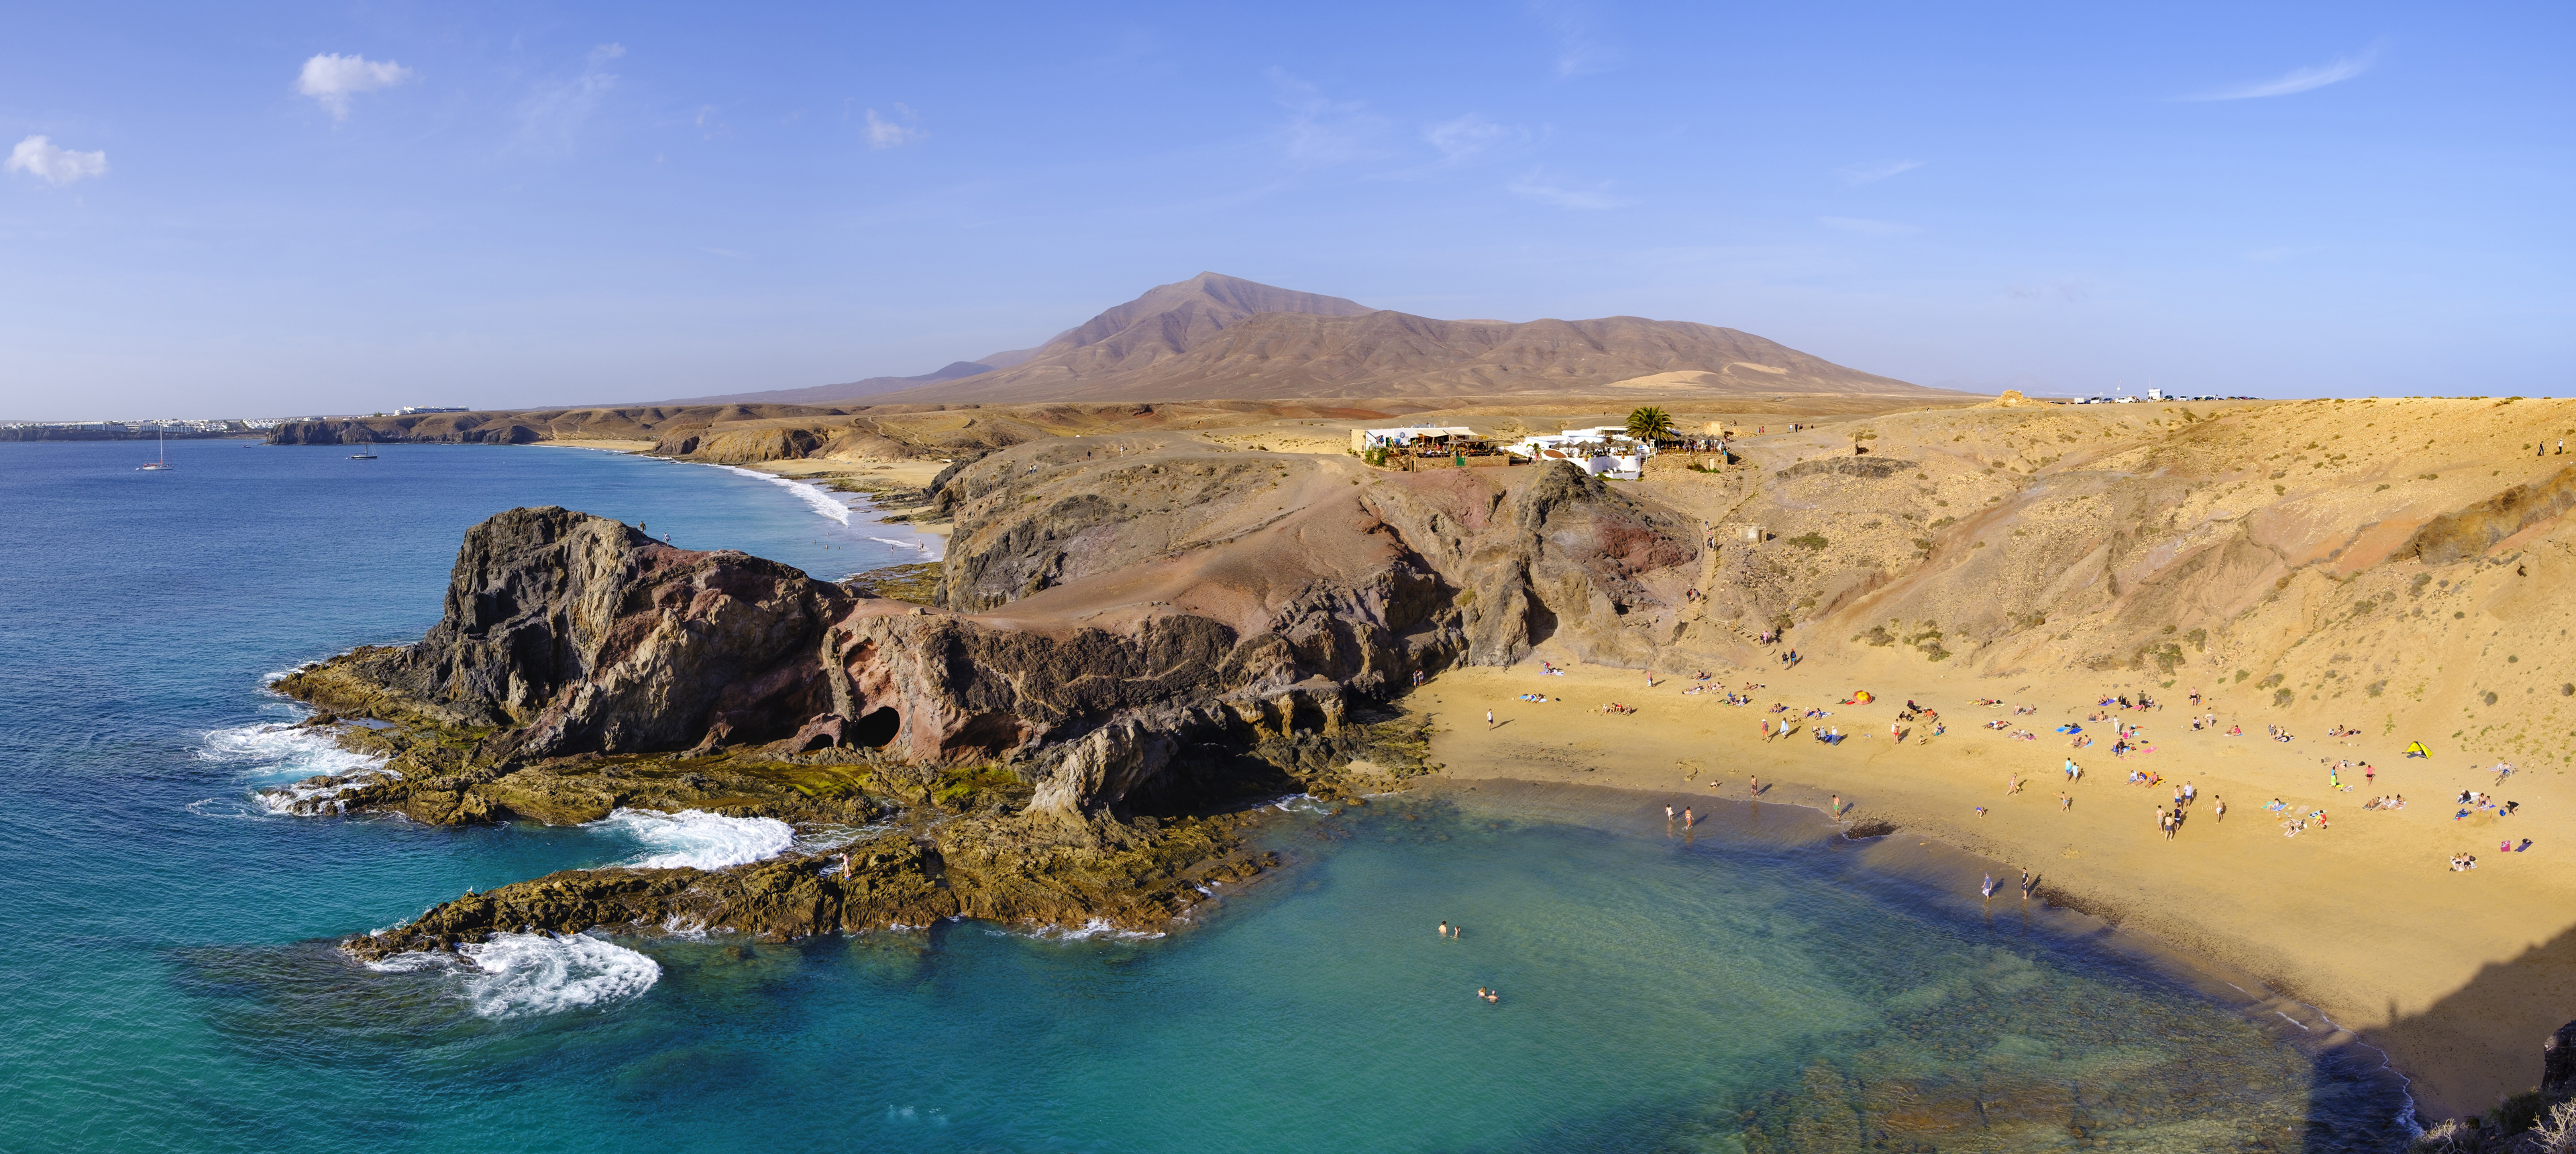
x: 1607, y: 451
x: 1363, y: 440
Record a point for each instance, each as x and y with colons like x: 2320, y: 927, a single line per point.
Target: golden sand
x: 2362, y: 918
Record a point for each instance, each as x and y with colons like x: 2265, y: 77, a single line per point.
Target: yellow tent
x: 2416, y: 749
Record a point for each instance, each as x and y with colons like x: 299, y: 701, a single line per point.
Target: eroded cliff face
x: 568, y: 634
x: 1465, y: 565
x: 1116, y: 600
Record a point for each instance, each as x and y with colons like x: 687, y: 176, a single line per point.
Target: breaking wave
x: 517, y: 975
x: 814, y: 495
x: 1095, y: 930
x: 1300, y: 803
x: 696, y: 838
x: 277, y: 759
x: 927, y: 546
x: 278, y: 752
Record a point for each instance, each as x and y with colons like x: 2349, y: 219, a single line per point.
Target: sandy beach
x: 2362, y: 919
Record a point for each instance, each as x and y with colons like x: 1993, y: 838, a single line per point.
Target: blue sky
x: 309, y: 208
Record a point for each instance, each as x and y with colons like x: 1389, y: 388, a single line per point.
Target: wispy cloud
x: 1320, y: 130
x: 1538, y: 186
x: 884, y: 133
x: 2299, y: 80
x: 1581, y: 49
x: 40, y: 157
x: 1860, y: 174
x: 553, y: 116
x: 1867, y: 227
x: 1471, y: 136
x: 331, y: 79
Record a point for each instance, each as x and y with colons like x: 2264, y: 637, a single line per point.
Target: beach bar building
x: 1606, y: 451
x: 1363, y: 440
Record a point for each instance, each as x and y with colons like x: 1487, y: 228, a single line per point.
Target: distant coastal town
x: 169, y: 426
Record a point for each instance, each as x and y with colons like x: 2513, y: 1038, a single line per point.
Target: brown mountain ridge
x: 1216, y: 337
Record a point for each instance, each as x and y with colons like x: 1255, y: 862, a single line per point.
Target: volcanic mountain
x: 1216, y: 337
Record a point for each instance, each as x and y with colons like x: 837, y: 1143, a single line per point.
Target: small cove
x: 1752, y: 986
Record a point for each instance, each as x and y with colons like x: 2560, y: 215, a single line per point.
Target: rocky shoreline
x: 1131, y: 642
x: 923, y: 844
x: 1050, y: 777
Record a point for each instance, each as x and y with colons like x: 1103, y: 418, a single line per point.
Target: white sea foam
x: 276, y: 758
x: 927, y: 546
x: 272, y: 751
x: 698, y: 839
x: 822, y: 501
x: 1097, y: 929
x: 1300, y: 803
x: 522, y: 974
x: 412, y: 962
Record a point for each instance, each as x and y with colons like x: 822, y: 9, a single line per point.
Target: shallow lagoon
x: 1749, y: 986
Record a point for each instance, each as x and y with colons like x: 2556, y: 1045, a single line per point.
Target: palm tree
x: 1650, y: 423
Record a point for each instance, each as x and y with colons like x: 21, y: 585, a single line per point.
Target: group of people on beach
x: 2127, y: 738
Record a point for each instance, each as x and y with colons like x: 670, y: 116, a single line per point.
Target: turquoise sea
x: 1753, y: 985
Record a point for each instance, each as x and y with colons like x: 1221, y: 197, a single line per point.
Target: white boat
x: 362, y: 455
x: 164, y: 462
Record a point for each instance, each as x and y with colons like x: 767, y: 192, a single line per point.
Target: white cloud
x: 1580, y: 49
x: 1320, y: 130
x: 1470, y: 135
x: 1867, y: 227
x: 1537, y: 186
x: 554, y: 114
x: 2299, y: 80
x: 1859, y: 174
x: 38, y: 156
x: 331, y: 79
x: 883, y: 133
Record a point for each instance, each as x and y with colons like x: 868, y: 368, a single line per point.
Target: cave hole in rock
x: 1539, y: 622
x: 875, y: 728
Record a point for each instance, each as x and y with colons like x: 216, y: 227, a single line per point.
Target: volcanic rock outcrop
x: 1135, y: 598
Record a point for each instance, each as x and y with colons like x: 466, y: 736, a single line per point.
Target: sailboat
x: 164, y: 462
x: 362, y: 455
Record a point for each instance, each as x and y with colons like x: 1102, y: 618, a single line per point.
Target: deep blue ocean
x: 171, y: 985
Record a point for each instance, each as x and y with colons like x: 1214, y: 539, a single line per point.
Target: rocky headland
x: 1133, y: 642
x: 1138, y: 629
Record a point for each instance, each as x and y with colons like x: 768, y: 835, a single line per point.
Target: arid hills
x: 1216, y: 337
x: 2344, y: 576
